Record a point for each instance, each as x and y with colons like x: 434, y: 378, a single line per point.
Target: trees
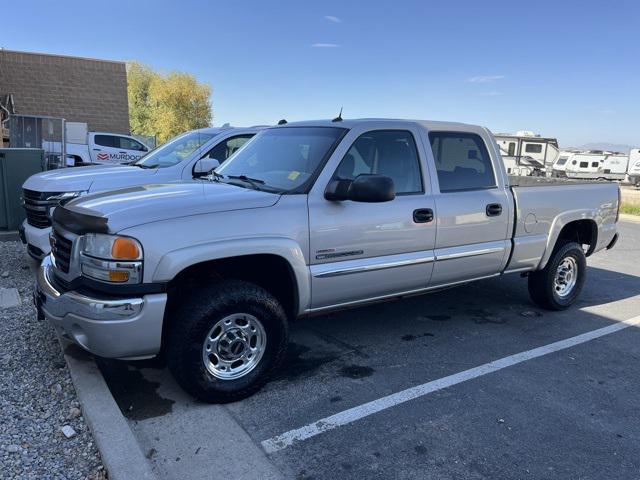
x: 166, y: 105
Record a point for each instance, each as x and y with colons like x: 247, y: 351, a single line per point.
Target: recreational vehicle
x: 634, y: 167
x: 528, y: 144
x: 559, y: 168
x: 523, y: 166
x: 598, y: 165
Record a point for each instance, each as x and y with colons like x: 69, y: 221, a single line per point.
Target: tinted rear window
x: 462, y: 161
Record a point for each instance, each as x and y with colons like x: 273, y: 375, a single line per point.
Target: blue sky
x: 569, y: 69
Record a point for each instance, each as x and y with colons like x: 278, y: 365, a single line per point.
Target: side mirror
x: 205, y: 166
x: 364, y: 188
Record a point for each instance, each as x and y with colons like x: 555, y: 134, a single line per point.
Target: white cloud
x: 485, y: 78
x: 325, y: 45
x: 333, y: 19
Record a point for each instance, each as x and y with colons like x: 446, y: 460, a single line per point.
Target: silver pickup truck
x: 306, y: 218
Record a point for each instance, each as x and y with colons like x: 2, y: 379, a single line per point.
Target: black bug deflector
x: 78, y: 223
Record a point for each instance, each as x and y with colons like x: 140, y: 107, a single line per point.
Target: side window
x: 129, y: 144
x: 533, y: 148
x: 385, y: 152
x: 595, y: 164
x: 584, y: 164
x: 512, y: 149
x: 228, y: 147
x: 462, y: 161
x: 106, y: 141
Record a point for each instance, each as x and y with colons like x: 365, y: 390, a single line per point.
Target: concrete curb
x: 121, y: 454
x: 9, y: 236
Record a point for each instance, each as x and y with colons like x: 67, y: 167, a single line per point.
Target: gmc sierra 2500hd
x: 305, y: 218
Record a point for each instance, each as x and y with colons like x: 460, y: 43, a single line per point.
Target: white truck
x: 190, y: 155
x: 308, y: 217
x: 103, y: 147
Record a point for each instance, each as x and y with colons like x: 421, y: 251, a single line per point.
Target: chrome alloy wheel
x: 234, y: 346
x: 566, y: 277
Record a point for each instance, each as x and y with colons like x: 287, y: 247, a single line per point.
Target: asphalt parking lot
x: 569, y: 413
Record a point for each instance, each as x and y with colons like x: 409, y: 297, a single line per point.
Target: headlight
x: 111, y: 258
x: 65, y: 197
x: 60, y: 199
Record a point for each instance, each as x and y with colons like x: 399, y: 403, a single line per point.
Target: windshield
x: 174, y: 151
x: 281, y: 158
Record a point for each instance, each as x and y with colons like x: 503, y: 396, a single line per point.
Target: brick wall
x: 77, y: 89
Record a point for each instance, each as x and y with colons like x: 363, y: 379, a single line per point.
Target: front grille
x: 37, y: 204
x: 61, y: 284
x: 61, y: 250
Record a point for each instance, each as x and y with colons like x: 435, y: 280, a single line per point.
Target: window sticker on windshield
x: 293, y: 175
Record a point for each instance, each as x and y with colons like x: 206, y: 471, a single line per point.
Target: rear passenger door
x: 473, y: 209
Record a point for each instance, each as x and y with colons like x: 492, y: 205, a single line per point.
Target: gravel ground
x: 37, y: 398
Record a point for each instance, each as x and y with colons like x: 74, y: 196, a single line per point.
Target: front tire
x: 558, y: 285
x: 226, y: 341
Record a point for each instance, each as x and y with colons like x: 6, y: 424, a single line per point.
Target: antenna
x: 282, y: 122
x: 339, y: 117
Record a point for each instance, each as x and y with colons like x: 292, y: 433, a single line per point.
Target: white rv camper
x: 634, y: 167
x: 523, y: 166
x: 559, y: 168
x: 527, y: 144
x: 598, y: 165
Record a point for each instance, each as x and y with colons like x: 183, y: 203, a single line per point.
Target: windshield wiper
x: 216, y: 176
x: 254, y: 182
x: 142, y: 165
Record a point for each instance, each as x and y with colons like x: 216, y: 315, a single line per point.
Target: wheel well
x: 271, y: 272
x: 77, y: 160
x: 583, y: 232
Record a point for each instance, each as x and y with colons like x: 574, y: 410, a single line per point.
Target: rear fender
x: 562, y: 221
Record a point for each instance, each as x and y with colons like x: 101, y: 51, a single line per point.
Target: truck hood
x: 133, y: 206
x: 95, y: 178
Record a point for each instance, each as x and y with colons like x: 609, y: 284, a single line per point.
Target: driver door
x: 361, y: 251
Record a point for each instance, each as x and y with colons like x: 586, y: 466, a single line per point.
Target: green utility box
x: 16, y: 165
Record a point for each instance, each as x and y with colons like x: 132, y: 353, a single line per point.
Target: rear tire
x: 226, y: 341
x: 558, y: 285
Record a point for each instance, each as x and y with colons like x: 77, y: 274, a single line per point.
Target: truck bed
x: 522, y: 181
x: 542, y: 212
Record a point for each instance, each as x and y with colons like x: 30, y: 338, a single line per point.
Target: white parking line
x: 356, y: 413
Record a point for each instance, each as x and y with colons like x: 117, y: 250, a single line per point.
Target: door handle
x: 96, y: 149
x: 494, y: 210
x: 423, y: 215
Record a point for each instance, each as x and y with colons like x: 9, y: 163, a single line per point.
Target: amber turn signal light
x: 125, y: 249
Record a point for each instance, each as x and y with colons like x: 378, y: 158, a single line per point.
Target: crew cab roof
x: 227, y: 128
x: 376, y: 122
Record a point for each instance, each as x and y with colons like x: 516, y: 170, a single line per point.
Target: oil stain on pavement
x: 136, y: 396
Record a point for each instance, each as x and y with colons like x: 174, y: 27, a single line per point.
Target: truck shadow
x: 341, y: 345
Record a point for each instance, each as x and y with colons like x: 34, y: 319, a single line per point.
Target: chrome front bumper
x: 114, y: 328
